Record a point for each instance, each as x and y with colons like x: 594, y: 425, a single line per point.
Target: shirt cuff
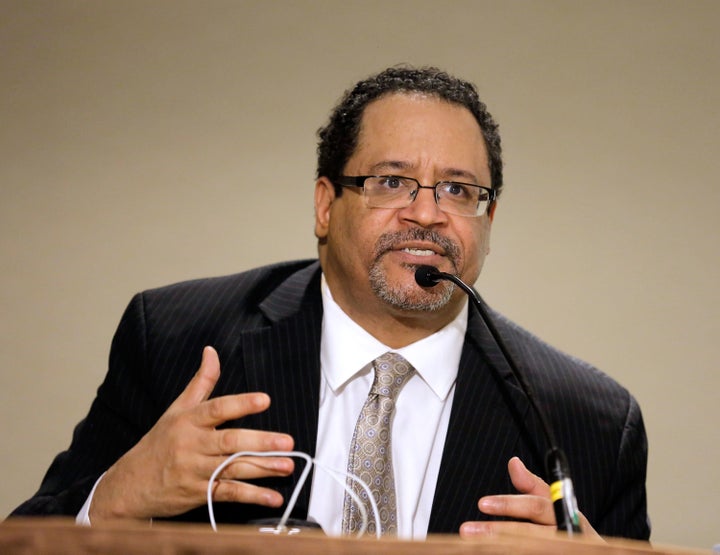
x: 83, y: 517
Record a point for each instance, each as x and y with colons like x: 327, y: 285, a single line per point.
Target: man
x: 409, y: 170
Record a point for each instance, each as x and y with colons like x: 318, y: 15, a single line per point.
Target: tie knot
x: 391, y: 373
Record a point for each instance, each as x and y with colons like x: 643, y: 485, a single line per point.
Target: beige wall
x: 144, y: 142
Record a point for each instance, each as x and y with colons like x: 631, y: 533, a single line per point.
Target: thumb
x: 203, y: 382
x: 524, y: 480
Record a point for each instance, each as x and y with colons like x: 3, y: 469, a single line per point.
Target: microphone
x: 556, y: 465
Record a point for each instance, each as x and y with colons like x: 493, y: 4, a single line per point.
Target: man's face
x: 369, y: 255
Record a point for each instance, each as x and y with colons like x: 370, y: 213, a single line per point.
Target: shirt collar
x: 347, y: 349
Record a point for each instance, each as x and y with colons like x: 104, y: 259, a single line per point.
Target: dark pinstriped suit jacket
x: 265, y: 325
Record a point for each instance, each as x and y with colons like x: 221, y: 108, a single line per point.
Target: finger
x: 242, y: 492
x: 251, y: 468
x: 524, y: 480
x: 588, y: 531
x: 203, y: 382
x: 525, y: 507
x: 234, y: 440
x: 229, y: 407
x: 488, y: 529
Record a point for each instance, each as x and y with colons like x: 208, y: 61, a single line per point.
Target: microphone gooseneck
x: 556, y: 465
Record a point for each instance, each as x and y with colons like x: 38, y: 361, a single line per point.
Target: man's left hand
x: 532, y: 505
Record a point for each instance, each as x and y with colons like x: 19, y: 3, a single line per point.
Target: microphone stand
x: 562, y: 492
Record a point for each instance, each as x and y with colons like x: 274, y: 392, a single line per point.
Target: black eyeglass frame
x: 359, y: 181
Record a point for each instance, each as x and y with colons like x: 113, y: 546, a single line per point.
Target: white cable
x: 334, y: 474
x: 231, y: 458
x: 338, y: 477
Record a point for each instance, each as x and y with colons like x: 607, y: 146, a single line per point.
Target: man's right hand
x: 166, y: 473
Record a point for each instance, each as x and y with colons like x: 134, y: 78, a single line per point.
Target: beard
x: 409, y: 295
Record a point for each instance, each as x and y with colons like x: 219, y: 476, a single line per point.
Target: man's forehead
x: 396, y: 108
x: 394, y: 135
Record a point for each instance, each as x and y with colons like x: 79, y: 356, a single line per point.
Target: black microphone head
x: 427, y: 276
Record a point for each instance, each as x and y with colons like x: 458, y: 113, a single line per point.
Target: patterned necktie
x: 370, y: 452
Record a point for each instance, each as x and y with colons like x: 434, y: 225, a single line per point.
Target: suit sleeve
x: 119, y: 416
x: 625, y: 514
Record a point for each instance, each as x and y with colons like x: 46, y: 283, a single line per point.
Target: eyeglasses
x: 394, y: 191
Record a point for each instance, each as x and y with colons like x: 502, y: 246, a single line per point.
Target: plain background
x: 144, y: 142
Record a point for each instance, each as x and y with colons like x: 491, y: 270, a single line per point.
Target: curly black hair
x: 338, y: 139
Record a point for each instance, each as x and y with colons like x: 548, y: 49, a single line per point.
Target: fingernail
x: 283, y: 443
x: 273, y: 499
x: 488, y: 504
x: 475, y: 529
x: 283, y: 466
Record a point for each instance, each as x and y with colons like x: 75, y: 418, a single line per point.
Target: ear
x: 324, y: 197
x: 491, y: 210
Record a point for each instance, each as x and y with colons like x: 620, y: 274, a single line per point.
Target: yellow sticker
x: 556, y: 491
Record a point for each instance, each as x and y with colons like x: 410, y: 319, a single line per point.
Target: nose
x: 424, y: 210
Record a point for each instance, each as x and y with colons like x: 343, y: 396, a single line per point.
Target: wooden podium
x: 61, y: 536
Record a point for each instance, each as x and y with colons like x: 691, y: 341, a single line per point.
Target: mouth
x: 413, y: 256
x: 418, y: 252
x: 417, y: 247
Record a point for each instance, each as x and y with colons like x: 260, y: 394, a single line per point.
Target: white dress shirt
x: 420, y: 422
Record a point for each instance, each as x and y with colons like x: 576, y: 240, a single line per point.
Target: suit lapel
x: 486, y: 421
x: 283, y: 360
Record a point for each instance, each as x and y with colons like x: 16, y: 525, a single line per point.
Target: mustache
x: 388, y: 241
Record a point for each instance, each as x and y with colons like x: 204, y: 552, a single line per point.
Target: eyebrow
x: 401, y: 166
